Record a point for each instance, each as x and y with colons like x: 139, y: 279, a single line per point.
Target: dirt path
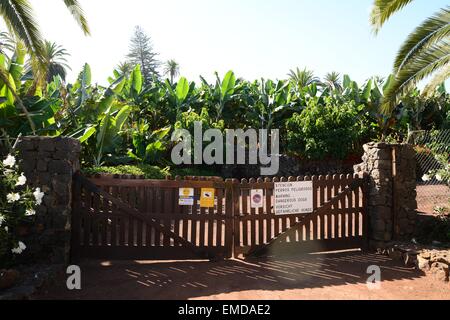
x: 333, y: 276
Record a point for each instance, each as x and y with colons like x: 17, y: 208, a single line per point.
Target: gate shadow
x: 195, y: 279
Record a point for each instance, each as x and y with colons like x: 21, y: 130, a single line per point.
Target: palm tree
x: 425, y: 53
x: 20, y: 20
x: 124, y: 68
x: 303, y: 78
x: 52, y: 63
x: 332, y: 81
x: 172, y: 69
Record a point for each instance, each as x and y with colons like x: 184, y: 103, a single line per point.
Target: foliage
x: 20, y: 20
x: 17, y: 205
x: 438, y: 150
x: 423, y: 54
x: 131, y: 121
x: 147, y: 171
x: 151, y: 172
x: 318, y: 127
x: 436, y: 228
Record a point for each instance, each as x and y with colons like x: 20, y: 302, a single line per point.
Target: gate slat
x: 329, y: 216
x: 244, y: 212
x: 167, y: 222
x: 157, y: 208
x: 268, y: 192
x: 357, y: 216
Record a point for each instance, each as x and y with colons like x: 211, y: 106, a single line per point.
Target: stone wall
x: 49, y: 163
x: 392, y: 191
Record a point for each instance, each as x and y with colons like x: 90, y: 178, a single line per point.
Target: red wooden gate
x: 339, y: 220
x: 141, y: 219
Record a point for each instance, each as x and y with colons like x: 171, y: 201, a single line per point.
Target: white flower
x: 439, y: 177
x: 30, y: 212
x: 38, y: 195
x: 426, y: 178
x: 19, y: 249
x: 2, y: 219
x: 12, y: 197
x: 10, y: 161
x: 6, y: 229
x: 21, y: 180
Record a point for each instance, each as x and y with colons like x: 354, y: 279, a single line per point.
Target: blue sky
x: 255, y: 38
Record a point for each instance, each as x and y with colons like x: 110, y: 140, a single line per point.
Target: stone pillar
x: 405, y: 203
x: 391, y: 203
x: 49, y: 163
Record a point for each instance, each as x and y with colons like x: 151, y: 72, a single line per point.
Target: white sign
x: 293, y: 197
x: 256, y: 198
x: 186, y: 197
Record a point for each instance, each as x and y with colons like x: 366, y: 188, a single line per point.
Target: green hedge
x: 150, y: 172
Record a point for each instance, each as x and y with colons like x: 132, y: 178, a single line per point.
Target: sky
x: 254, y: 38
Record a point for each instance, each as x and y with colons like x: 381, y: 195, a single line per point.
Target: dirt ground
x: 431, y: 196
x: 324, y: 276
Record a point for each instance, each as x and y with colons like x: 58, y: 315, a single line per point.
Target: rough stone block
x: 47, y: 145
x: 60, y: 167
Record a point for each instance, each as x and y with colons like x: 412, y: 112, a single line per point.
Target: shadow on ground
x: 203, y: 279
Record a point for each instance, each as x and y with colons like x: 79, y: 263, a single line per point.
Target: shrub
x: 436, y: 228
x: 17, y: 205
x: 148, y: 171
x: 151, y: 172
x: 328, y: 130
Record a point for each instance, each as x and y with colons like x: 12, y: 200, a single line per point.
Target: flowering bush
x: 17, y: 204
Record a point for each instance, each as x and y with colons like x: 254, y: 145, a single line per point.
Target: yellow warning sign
x: 207, y: 198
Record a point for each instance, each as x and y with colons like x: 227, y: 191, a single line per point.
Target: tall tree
x: 143, y: 54
x: 425, y: 53
x: 172, y: 69
x: 20, y: 20
x: 52, y: 63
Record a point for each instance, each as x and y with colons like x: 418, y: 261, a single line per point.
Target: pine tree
x: 142, y: 53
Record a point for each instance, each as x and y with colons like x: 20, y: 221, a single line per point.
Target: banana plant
x: 274, y: 103
x: 180, y: 94
x: 149, y: 145
x: 11, y: 72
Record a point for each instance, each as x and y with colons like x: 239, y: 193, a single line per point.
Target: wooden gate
x: 339, y: 220
x: 142, y: 219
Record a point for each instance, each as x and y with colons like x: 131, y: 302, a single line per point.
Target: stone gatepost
x: 49, y: 163
x: 392, y: 191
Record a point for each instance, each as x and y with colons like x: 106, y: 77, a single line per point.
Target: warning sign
x: 186, y: 197
x: 256, y: 198
x: 207, y: 198
x: 293, y: 197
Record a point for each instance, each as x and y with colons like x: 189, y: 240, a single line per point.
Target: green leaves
x: 182, y: 90
x: 136, y: 80
x: 228, y: 84
x: 382, y: 10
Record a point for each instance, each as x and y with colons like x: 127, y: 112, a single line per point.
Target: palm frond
x: 77, y: 12
x: 424, y: 64
x: 438, y: 79
x: 427, y: 34
x: 382, y: 10
x: 19, y: 18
